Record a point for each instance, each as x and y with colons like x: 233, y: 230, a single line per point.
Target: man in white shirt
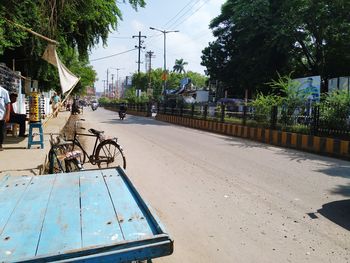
x: 4, y: 113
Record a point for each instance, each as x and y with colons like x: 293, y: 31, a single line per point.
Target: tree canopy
x: 256, y: 40
x: 153, y: 79
x: 77, y: 25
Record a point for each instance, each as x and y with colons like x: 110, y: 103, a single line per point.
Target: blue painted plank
x: 62, y: 229
x: 21, y: 235
x: 133, y: 221
x: 100, y: 225
x: 3, y: 179
x: 11, y: 191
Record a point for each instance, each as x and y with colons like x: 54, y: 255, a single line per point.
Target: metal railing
x: 319, y: 120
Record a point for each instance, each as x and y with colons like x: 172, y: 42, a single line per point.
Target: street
x: 224, y: 199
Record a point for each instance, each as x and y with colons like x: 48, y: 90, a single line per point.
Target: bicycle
x: 61, y: 158
x: 106, y: 152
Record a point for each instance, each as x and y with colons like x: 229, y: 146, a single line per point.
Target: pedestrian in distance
x: 55, y: 102
x: 4, y: 113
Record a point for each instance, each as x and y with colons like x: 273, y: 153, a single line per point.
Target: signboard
x: 310, y: 87
x: 341, y: 83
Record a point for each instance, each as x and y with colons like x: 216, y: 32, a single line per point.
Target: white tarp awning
x: 67, y: 79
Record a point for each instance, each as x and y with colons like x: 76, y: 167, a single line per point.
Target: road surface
x: 225, y: 199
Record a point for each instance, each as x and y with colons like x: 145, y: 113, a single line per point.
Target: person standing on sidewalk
x: 4, y: 113
x: 17, y: 118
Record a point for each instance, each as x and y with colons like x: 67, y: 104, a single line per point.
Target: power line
x: 184, y: 14
x: 113, y: 55
x: 121, y: 37
x: 190, y: 2
x: 176, y: 25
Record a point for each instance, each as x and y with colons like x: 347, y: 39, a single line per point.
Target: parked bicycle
x: 61, y: 158
x: 106, y: 152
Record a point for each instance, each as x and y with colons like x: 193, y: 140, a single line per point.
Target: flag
x: 67, y: 79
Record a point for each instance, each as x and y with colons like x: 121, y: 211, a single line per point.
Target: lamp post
x: 164, y: 34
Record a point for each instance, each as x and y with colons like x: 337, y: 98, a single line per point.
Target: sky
x: 190, y: 17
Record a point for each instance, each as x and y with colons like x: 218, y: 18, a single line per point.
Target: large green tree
x: 77, y: 25
x: 259, y: 38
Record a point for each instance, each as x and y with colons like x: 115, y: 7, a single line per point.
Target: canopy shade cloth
x: 67, y: 79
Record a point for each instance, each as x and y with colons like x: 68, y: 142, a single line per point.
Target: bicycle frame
x: 99, y: 139
x: 91, y: 157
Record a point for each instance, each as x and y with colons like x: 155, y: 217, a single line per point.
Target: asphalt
x: 17, y: 160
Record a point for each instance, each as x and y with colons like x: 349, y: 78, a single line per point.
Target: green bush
x: 262, y: 107
x: 335, y: 110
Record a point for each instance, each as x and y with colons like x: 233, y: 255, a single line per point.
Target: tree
x: 259, y: 38
x: 180, y: 65
x: 77, y: 25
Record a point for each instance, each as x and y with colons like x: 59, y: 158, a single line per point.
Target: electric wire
x: 176, y: 25
x: 96, y: 59
x: 183, y: 15
x: 190, y: 2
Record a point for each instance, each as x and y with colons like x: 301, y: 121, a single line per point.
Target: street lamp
x: 164, y: 34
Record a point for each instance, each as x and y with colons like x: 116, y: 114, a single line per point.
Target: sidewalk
x: 16, y: 159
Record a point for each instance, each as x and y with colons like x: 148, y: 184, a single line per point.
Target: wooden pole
x: 33, y: 32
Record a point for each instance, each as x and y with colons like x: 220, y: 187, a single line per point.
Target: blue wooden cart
x: 88, y: 216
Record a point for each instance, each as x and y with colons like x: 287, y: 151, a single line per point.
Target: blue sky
x: 190, y: 17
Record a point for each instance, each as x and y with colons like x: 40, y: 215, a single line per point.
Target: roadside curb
x: 315, y: 144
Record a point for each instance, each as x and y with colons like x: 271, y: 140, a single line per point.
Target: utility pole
x: 139, y: 47
x: 107, y: 88
x: 149, y: 56
x: 104, y: 87
x: 112, y: 85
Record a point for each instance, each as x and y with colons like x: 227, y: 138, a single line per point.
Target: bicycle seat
x: 96, y: 132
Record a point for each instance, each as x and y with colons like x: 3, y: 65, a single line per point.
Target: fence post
x: 273, y: 120
x: 172, y: 109
x: 181, y: 110
x: 315, y: 120
x: 164, y: 108
x: 205, y: 113
x: 222, y: 117
x: 244, y: 119
x: 192, y: 110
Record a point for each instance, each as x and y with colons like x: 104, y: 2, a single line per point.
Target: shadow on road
x: 244, y: 143
x: 13, y: 140
x: 342, y: 190
x: 130, y: 119
x: 336, y: 169
x: 338, y: 212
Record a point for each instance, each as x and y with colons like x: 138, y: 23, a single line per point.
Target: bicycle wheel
x: 110, y: 154
x: 76, y: 147
x: 73, y: 165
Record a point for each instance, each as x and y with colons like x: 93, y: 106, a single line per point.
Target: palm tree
x: 179, y: 65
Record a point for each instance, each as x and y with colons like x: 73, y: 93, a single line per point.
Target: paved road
x: 224, y: 199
